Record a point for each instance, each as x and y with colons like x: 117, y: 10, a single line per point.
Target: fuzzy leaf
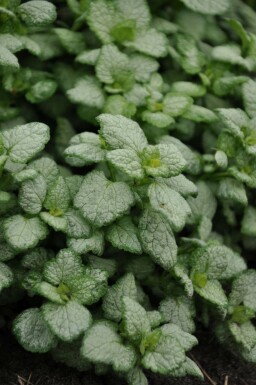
x: 87, y: 91
x: 127, y: 161
x: 37, y: 13
x: 179, y: 311
x: 32, y: 195
x: 208, y: 7
x: 135, y: 322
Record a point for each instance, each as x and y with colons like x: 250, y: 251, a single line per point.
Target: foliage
x: 127, y: 171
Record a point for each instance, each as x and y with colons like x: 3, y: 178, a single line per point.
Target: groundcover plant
x: 128, y: 169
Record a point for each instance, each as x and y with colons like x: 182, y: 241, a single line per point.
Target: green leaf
x: 137, y: 10
x: 213, y: 292
x: 158, y: 119
x: 32, y: 332
x: 186, y: 340
x: 86, y: 289
x: 119, y: 105
x: 166, y: 356
x: 57, y: 223
x: 77, y: 226
x: 36, y: 258
x: 123, y: 235
x: 191, y: 59
x: 135, y: 322
x: 6, y: 276
x: 84, y: 149
x: 48, y: 291
x: 127, y: 161
x: 233, y: 191
x: 162, y: 160
x: 188, y: 368
x: 24, y: 233
x: 179, y: 311
x: 37, y: 13
x: 47, y: 168
x: 244, y: 290
x: 66, y: 264
x: 32, y: 195
x: 114, y: 130
x: 234, y: 120
x: 204, y: 204
x: 249, y: 222
x: 102, y: 344
x: 150, y: 42
x: 142, y: 67
x: 67, y: 321
x: 57, y: 199
x: 249, y: 94
x: 113, y: 67
x: 244, y: 335
x: 188, y: 88
x: 136, y: 377
x: 87, y: 91
x: 208, y: 7
x: 200, y: 114
x: 175, y: 104
x: 41, y: 91
x: 113, y: 300
x: 101, y: 18
x: 89, y: 57
x: 170, y: 203
x: 157, y: 239
x: 181, y: 184
x: 73, y: 42
x: 107, y: 265
x: 102, y: 201
x: 25, y: 141
x: 8, y: 59
x: 95, y: 244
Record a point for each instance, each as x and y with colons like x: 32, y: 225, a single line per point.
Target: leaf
x: 121, y: 133
x: 47, y: 168
x: 32, y: 332
x: 113, y: 301
x: 170, y: 203
x: 162, y: 160
x: 188, y: 368
x: 32, y: 195
x: 137, y: 10
x: 6, y: 276
x: 249, y: 222
x: 234, y: 120
x: 65, y: 265
x: 37, y: 13
x: 244, y: 290
x: 186, y: 340
x: 41, y: 91
x: 101, y: 18
x: 25, y: 141
x: 36, y: 258
x: 77, y: 226
x: 84, y: 149
x: 204, y: 204
x: 179, y: 311
x: 102, y: 201
x: 86, y: 289
x: 48, y: 291
x: 113, y: 67
x: 181, y: 184
x: 200, y: 114
x: 158, y: 119
x: 73, y: 42
x: 8, y: 59
x: 67, y: 321
x: 208, y: 7
x: 89, y: 57
x: 136, y: 377
x: 165, y: 357
x: 87, y: 91
x: 102, y: 344
x: 244, y: 335
x: 188, y: 88
x: 24, y: 233
x: 135, y: 322
x: 57, y: 199
x: 249, y: 94
x: 126, y: 161
x: 123, y: 235
x: 175, y: 104
x: 57, y: 223
x: 150, y: 42
x: 213, y: 292
x: 191, y: 59
x: 232, y: 191
x: 142, y: 67
x: 157, y: 239
x: 95, y: 244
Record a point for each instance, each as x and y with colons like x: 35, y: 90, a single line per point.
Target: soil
x: 18, y: 367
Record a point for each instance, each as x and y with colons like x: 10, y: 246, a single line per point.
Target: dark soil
x: 18, y: 367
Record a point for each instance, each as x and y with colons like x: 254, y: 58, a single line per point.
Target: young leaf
x: 87, y: 91
x: 179, y: 311
x: 126, y: 161
x: 135, y: 322
x: 32, y: 195
x: 95, y: 244
x: 37, y: 13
